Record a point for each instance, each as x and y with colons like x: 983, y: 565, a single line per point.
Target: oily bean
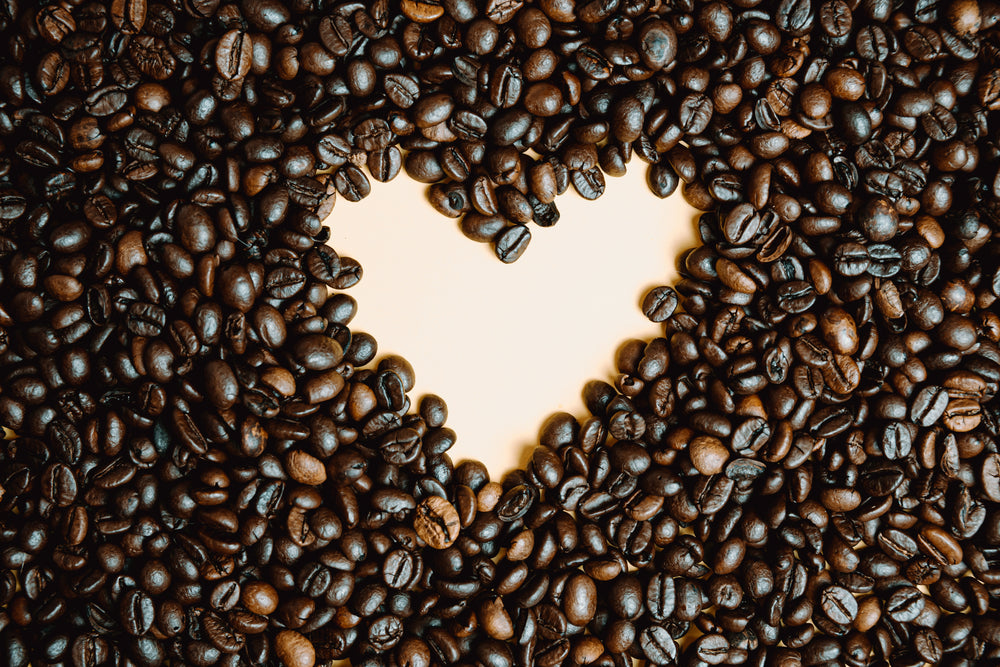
x: 506, y: 84
x: 741, y: 224
x: 259, y: 598
x: 129, y: 16
x: 929, y: 405
x: 662, y: 180
x: 905, y: 604
x: 940, y: 545
x: 589, y: 184
x: 842, y: 375
x: 351, y: 183
x: 511, y: 242
x: 580, y: 600
x: 137, y: 612
x: 712, y: 649
x: 318, y: 352
x: 659, y: 304
x: 928, y: 645
x: 386, y: 164
x: 59, y: 485
x: 839, y: 604
x: 658, y: 645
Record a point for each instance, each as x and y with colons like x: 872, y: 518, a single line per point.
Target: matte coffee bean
x: 436, y: 522
x: 294, y: 650
x: 708, y: 454
x: 305, y: 468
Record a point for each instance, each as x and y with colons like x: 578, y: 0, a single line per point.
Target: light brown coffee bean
x: 294, y: 650
x: 962, y: 415
x: 708, y: 454
x: 437, y: 522
x: 305, y: 468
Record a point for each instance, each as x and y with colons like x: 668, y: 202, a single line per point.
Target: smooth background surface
x: 507, y: 345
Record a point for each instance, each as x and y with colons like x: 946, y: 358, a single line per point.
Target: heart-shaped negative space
x: 506, y: 345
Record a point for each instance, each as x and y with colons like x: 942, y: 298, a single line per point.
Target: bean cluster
x: 210, y: 467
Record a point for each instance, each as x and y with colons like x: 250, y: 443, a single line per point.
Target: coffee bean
x: 259, y: 598
x: 905, y: 604
x: 222, y: 385
x: 589, y: 184
x: 657, y: 645
x: 294, y: 650
x: 137, y: 612
x: 839, y: 605
x: 940, y: 545
x: 659, y: 304
x: 708, y: 454
x: 511, y: 242
x: 962, y: 415
x: 305, y: 468
x: 580, y: 600
x: 59, y: 485
x: 422, y: 12
x: 129, y: 16
x: 436, y: 522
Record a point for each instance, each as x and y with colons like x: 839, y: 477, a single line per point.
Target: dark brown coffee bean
x: 317, y: 352
x: 905, y: 604
x: 59, y: 485
x: 589, y: 184
x: 511, y: 243
x: 129, y: 16
x: 659, y: 304
x: 839, y: 604
x: 741, y: 224
x: 662, y: 180
x: 89, y: 649
x: 658, y: 645
x: 137, y: 612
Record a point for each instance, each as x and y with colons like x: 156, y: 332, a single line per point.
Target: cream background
x: 507, y: 345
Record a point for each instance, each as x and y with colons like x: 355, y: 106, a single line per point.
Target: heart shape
x: 507, y: 344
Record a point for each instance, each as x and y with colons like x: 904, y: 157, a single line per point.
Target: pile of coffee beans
x: 208, y: 466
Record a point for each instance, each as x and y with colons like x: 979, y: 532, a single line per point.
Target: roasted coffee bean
x: 137, y: 612
x: 658, y: 645
x: 294, y: 650
x: 506, y: 85
x: 905, y: 604
x: 436, y: 522
x: 351, y: 183
x: 839, y: 604
x: 511, y: 242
